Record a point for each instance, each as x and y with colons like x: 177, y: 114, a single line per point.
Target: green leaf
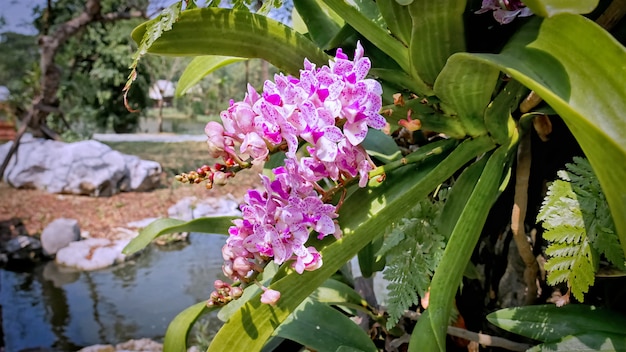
x: 458, y: 252
x: 381, y: 146
x: 251, y: 291
x: 549, y: 323
x: 548, y: 8
x: 321, y: 27
x: 199, y: 68
x: 369, y: 261
x: 365, y: 214
x: 397, y: 18
x: 217, y: 31
x: 498, y: 118
x: 436, y: 34
x: 466, y: 87
x: 401, y: 79
x: 458, y: 197
x: 336, y: 292
x: 160, y: 227
x: 585, y: 342
x: 578, y: 68
x: 322, y: 328
x: 372, y: 31
x: 178, y: 329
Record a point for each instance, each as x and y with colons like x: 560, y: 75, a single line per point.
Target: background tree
x: 59, y: 23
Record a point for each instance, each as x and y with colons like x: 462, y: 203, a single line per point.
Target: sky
x: 18, y: 15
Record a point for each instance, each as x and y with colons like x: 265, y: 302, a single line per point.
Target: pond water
x: 50, y: 308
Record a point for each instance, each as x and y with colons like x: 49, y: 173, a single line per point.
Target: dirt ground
x: 100, y: 215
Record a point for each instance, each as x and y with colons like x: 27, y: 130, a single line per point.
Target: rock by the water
x: 190, y: 208
x: 86, y: 167
x: 58, y: 234
x: 137, y: 345
x: 92, y: 253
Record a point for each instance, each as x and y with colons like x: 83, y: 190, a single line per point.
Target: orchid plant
x: 384, y: 108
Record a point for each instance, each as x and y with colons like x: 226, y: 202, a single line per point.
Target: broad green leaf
x: 160, y: 227
x: 549, y: 323
x: 431, y: 120
x: 323, y: 328
x: 364, y: 215
x: 199, y: 68
x: 578, y: 68
x: 436, y: 34
x: 251, y: 291
x: 457, y: 254
x: 178, y: 329
x: 217, y: 31
x: 548, y: 8
x: 498, y: 118
x: 402, y: 79
x: 466, y: 87
x: 321, y: 27
x: 585, y: 342
x: 458, y: 197
x: 336, y: 292
x: 370, y: 30
x: 381, y: 146
x: 369, y: 261
x: 397, y: 18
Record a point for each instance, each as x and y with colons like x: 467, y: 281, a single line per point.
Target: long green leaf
x: 160, y: 227
x: 547, y: 8
x: 217, y: 31
x: 578, y: 68
x: 199, y: 68
x: 370, y: 30
x: 397, y: 18
x: 498, y: 118
x: 457, y: 254
x: 363, y: 216
x: 585, y: 342
x: 436, y: 34
x: 550, y: 323
x: 321, y: 27
x: 322, y: 328
x: 178, y: 329
x: 466, y: 88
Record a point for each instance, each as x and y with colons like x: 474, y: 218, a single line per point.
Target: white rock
x: 85, y: 167
x: 58, y: 234
x: 140, y: 224
x: 190, y: 208
x: 92, y: 253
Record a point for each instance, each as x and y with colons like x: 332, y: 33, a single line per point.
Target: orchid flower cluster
x: 505, y: 11
x: 328, y: 110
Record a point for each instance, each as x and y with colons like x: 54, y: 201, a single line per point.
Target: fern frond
x: 413, y: 249
x: 579, y: 227
x: 154, y: 30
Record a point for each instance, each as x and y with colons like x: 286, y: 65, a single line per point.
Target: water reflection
x: 52, y: 308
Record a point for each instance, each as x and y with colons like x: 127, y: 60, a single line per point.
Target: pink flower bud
x: 227, y: 252
x: 270, y: 296
x: 236, y: 292
x: 219, y: 284
x: 215, y: 132
x: 241, y: 266
x: 219, y: 178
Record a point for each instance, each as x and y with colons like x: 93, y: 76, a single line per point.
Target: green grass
x: 173, y: 157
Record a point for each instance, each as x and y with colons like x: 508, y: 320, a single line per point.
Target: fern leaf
x: 579, y: 227
x: 154, y: 30
x: 413, y: 249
